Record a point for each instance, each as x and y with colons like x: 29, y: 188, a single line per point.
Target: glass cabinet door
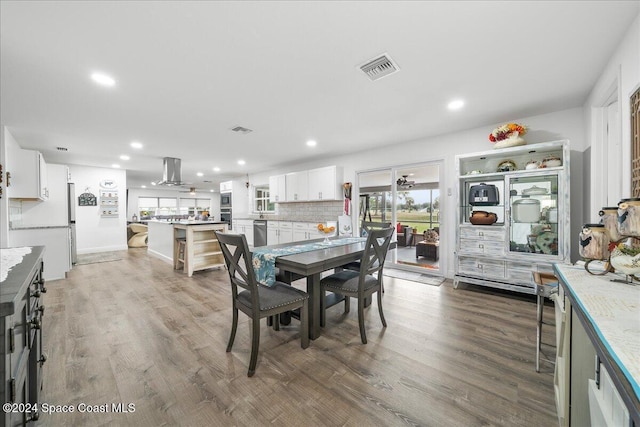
x: 533, y: 214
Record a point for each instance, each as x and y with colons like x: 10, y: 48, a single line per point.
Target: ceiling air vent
x: 379, y: 67
x: 241, y: 129
x: 62, y: 149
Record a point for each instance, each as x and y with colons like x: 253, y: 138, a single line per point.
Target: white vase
x: 514, y: 140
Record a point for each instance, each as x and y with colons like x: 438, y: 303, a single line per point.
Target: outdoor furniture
x: 429, y: 250
x: 405, y: 236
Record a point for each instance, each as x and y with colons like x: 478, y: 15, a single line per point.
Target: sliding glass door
x: 409, y: 198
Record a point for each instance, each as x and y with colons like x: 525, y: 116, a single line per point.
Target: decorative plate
x: 548, y: 242
x: 506, y: 166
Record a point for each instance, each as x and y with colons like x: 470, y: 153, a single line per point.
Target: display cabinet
x: 513, y: 215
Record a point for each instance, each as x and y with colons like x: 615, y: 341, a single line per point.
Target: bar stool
x: 545, y: 285
x: 182, y: 252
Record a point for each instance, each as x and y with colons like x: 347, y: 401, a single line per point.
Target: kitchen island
x: 201, y: 249
x: 161, y: 237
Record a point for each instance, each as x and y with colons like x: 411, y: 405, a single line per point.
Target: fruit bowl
x: 326, y: 231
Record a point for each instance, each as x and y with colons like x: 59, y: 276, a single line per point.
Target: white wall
x: 93, y: 232
x: 566, y: 124
x: 622, y: 75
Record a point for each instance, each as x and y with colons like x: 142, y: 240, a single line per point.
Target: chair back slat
x: 239, y: 263
x: 367, y: 226
x: 375, y: 253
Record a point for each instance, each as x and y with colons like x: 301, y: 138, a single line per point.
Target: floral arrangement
x: 625, y: 249
x: 506, y: 131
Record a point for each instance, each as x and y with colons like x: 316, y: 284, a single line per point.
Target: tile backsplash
x: 309, y: 211
x: 15, y: 213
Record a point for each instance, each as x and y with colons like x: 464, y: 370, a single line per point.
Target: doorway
x: 409, y: 198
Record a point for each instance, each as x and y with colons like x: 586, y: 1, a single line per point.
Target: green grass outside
x: 419, y: 220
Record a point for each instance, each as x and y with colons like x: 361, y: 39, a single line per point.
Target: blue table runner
x: 264, y: 258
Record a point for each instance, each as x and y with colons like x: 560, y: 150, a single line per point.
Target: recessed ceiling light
x: 103, y: 79
x: 115, y: 165
x: 216, y: 169
x: 144, y: 186
x: 136, y: 144
x: 212, y: 190
x: 124, y: 157
x: 311, y: 143
x: 456, y: 104
x: 200, y: 174
x: 241, y: 162
x: 153, y: 183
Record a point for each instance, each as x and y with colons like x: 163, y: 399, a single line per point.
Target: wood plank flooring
x: 136, y: 331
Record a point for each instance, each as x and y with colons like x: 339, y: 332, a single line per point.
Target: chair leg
x: 384, y: 322
x: 276, y: 322
x: 539, y: 306
x: 347, y: 304
x: 363, y: 335
x: 255, y: 343
x: 234, y: 327
x: 323, y: 315
x: 304, y: 324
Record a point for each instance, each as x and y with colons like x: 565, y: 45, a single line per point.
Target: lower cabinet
x: 279, y: 232
x: 21, y: 352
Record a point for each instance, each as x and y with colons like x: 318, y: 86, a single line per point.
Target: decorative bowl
x: 482, y: 218
x: 625, y: 262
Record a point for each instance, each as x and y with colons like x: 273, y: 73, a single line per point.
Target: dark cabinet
x: 21, y: 356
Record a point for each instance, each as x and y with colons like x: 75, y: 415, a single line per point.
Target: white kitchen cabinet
x: 305, y: 231
x: 226, y: 186
x: 277, y: 188
x: 28, y: 175
x: 244, y: 226
x: 325, y: 183
x: 57, y: 243
x: 297, y: 186
x: 279, y: 232
x: 532, y: 210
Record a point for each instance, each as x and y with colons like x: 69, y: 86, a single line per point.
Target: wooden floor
x: 136, y: 331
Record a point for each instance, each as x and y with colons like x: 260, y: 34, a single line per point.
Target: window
x: 147, y: 207
x: 261, y: 201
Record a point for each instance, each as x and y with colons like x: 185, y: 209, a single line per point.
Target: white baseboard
x: 160, y: 256
x: 102, y: 249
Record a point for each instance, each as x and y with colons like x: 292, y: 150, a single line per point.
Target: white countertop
x: 614, y: 311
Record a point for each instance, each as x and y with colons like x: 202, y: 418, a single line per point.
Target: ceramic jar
x: 594, y: 242
x: 624, y: 260
x: 532, y: 164
x: 629, y: 217
x: 526, y: 210
x: 551, y: 162
x: 609, y: 218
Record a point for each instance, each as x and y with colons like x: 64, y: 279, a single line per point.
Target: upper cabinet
x: 513, y: 215
x: 226, y: 186
x: 277, y: 188
x: 28, y: 172
x: 323, y: 184
x: 297, y: 186
x: 306, y: 186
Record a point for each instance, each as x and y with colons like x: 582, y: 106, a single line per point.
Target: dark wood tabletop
x: 310, y: 265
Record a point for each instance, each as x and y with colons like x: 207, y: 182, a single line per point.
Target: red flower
x: 612, y: 246
x: 492, y: 138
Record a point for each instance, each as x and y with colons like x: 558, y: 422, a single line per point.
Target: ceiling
x: 188, y: 72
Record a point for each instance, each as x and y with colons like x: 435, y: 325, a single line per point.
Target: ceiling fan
x: 403, y: 183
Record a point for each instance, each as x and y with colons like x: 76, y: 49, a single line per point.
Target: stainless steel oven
x: 225, y: 200
x: 225, y: 216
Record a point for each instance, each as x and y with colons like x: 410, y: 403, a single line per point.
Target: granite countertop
x: 18, y: 279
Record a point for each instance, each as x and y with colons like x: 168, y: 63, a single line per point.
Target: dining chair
x: 367, y: 227
x: 361, y: 284
x: 255, y: 299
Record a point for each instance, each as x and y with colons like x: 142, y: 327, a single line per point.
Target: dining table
x: 310, y: 261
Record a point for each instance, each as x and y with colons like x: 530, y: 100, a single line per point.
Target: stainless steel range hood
x: 172, y: 172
